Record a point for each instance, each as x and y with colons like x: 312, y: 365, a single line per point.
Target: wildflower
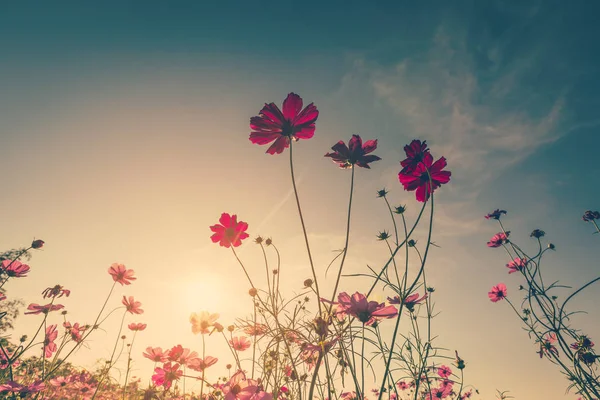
x: 536, y: 233
x: 498, y: 239
x: 45, y: 309
x: 383, y: 235
x: 239, y: 388
x: 239, y: 343
x: 136, y: 327
x: 229, y: 232
x: 460, y: 363
x: 409, y: 301
x: 357, y: 306
x: 37, y: 244
x: 496, y: 214
x: 281, y: 127
x: 425, y: 177
x: 200, y: 364
x: 56, y: 291
x: 15, y: 268
x: 155, y: 354
x: 120, y: 274
x: 547, y: 347
x: 354, y: 154
x: 589, y: 215
x: 166, y: 375
x: 258, y: 240
x: 583, y: 343
x: 75, y: 330
x: 416, y: 152
x: 497, y: 293
x: 444, y: 371
x: 202, y: 321
x: 49, y: 345
x: 132, y: 306
x: 518, y: 264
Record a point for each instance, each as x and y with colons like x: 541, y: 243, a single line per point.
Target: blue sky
x: 119, y: 113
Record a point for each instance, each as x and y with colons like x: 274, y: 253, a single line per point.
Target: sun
x: 203, y: 291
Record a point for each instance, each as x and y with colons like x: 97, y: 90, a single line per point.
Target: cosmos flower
x: 155, y: 354
x: 444, y: 371
x: 75, y: 330
x: 15, y: 268
x: 120, y: 274
x: 281, y: 127
x: 409, y: 301
x: 132, y: 306
x: 239, y: 343
x: 518, y: 264
x: 229, y: 232
x: 498, y: 239
x: 166, y: 375
x: 49, y: 345
x: 416, y: 152
x: 496, y: 214
x: 589, y: 215
x: 497, y: 293
x: 56, y: 291
x: 356, y: 153
x: 45, y: 309
x: 357, y: 306
x: 136, y: 327
x: 239, y: 388
x: 200, y: 364
x: 419, y: 178
x: 202, y: 321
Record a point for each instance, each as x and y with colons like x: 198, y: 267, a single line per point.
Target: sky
x: 124, y: 130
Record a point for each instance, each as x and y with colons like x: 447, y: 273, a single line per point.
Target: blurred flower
x: 38, y: 309
x: 132, y: 306
x: 37, y: 244
x: 120, y: 274
x: 49, y: 345
x: 166, y: 375
x: 496, y: 214
x: 56, y: 291
x: 292, y: 124
x: 460, y: 363
x: 536, y: 233
x: 155, y: 354
x: 365, y: 311
x: 354, y: 154
x: 498, y: 239
x: 583, y: 343
x: 202, y: 321
x: 416, y: 152
x: 239, y: 388
x: 200, y: 364
x: 409, y: 301
x: 75, y: 331
x: 444, y: 371
x: 547, y: 346
x: 518, y: 264
x: 498, y: 292
x: 136, y: 327
x: 425, y: 177
x: 382, y: 192
x: 239, y: 343
x: 15, y: 268
x: 589, y: 215
x: 229, y: 232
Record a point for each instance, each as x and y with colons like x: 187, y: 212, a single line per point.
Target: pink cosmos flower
x: 444, y: 371
x: 181, y: 355
x: 166, y: 375
x: 547, y: 346
x: 202, y: 321
x: 416, y: 152
x: 239, y: 388
x: 200, y: 364
x: 583, y: 343
x: 155, y: 354
x: 49, y: 345
x: 229, y: 232
x: 132, y: 306
x: 256, y: 329
x: 419, y: 178
x: 120, y: 274
x: 496, y: 214
x: 498, y: 292
x: 355, y: 153
x: 518, y: 264
x: 75, y: 331
x: 56, y: 291
x: 15, y: 268
x: 239, y: 343
x: 281, y: 127
x: 59, y: 381
x: 409, y: 301
x: 38, y: 309
x: 136, y: 327
x: 498, y: 239
x: 367, y: 312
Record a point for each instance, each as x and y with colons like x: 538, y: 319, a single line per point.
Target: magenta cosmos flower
x: 497, y: 293
x: 292, y: 124
x: 229, y: 232
x: 49, y: 345
x: 155, y: 354
x: 356, y: 153
x: 416, y: 152
x: 498, y: 239
x: 518, y: 264
x: 166, y: 375
x: 120, y: 274
x: 45, y: 309
x: 239, y: 388
x: 136, y: 326
x: 15, y: 268
x: 367, y: 312
x: 419, y: 178
x: 239, y: 343
x: 409, y: 301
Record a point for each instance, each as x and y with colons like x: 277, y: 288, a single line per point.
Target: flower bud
x: 37, y: 244
x: 308, y: 283
x: 253, y: 292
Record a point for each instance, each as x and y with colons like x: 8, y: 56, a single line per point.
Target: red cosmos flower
x: 518, y: 264
x: 367, y: 312
x: 15, y: 268
x: 56, y: 291
x: 355, y: 153
x: 416, y: 152
x: 136, y: 327
x: 409, y: 301
x: 230, y: 232
x: 498, y: 292
x: 273, y: 125
x: 155, y: 354
x: 132, y: 306
x: 498, y: 239
x: 166, y: 375
x: 418, y: 178
x: 49, y: 345
x: 200, y: 364
x: 37, y: 309
x: 120, y: 274
x: 239, y: 343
